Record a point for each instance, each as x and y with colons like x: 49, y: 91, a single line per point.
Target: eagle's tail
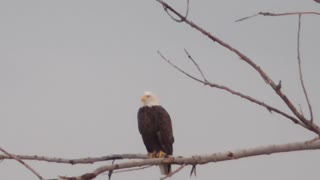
x: 165, y: 169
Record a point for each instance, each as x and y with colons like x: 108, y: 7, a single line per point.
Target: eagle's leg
x: 161, y: 154
x: 152, y: 154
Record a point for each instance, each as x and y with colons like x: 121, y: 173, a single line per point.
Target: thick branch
x: 203, y: 159
x: 88, y: 160
x: 313, y: 127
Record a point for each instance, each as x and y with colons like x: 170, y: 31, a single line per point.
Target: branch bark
x: 225, y: 88
x: 88, y: 160
x: 278, y: 14
x: 300, y: 71
x: 311, y: 126
x: 313, y: 144
x: 12, y: 156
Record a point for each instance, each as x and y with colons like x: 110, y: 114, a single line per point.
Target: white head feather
x: 149, y: 99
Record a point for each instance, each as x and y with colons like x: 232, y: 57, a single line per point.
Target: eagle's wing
x: 164, y: 133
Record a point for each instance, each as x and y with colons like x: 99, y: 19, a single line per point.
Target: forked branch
x: 225, y: 88
x: 311, y: 126
x: 195, y: 64
x: 203, y: 159
x: 175, y: 19
x: 22, y: 162
x: 173, y: 172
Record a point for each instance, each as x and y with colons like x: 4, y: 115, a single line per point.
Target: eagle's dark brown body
x: 156, y: 130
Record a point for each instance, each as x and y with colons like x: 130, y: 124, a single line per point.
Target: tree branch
x: 300, y: 71
x: 278, y: 14
x: 311, y: 126
x: 133, y: 169
x: 21, y: 162
x: 287, y: 14
x: 204, y: 159
x: 197, y: 66
x: 173, y: 172
x: 225, y: 88
x: 175, y: 19
x: 89, y: 160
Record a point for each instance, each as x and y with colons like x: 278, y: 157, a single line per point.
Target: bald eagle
x: 155, y: 127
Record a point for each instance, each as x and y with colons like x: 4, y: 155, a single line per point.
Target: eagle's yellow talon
x: 152, y: 154
x: 161, y: 154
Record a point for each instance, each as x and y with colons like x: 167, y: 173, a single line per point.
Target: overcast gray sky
x: 72, y: 73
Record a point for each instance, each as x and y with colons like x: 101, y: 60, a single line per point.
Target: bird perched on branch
x: 155, y: 127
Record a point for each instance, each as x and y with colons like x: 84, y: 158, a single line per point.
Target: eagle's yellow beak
x: 143, y: 99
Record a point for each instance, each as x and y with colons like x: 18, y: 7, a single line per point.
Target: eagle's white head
x: 149, y: 99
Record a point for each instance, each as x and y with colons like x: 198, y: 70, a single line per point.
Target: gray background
x: 72, y: 73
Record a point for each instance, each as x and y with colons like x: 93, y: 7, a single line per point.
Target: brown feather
x: 156, y: 130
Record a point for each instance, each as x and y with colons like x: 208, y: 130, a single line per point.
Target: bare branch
x: 300, y: 70
x: 300, y: 109
x: 187, y: 12
x: 179, y: 69
x: 204, y: 159
x: 278, y: 14
x: 133, y: 169
x: 311, y: 126
x: 175, y: 19
x: 89, y: 160
x: 225, y: 88
x: 245, y: 18
x: 287, y: 14
x: 173, y: 172
x: 21, y: 162
x: 193, y: 170
x: 196, y: 64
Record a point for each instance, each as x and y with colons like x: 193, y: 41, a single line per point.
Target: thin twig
x: 179, y: 69
x: 288, y: 14
x: 110, y: 172
x: 196, y: 64
x: 245, y: 18
x: 173, y: 172
x: 181, y: 18
x: 300, y: 71
x: 278, y: 14
x: 21, y: 162
x: 301, y: 110
x: 133, y: 169
x: 187, y: 12
x: 193, y: 170
x: 173, y: 18
x: 313, y: 140
x: 218, y: 86
x: 311, y: 126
